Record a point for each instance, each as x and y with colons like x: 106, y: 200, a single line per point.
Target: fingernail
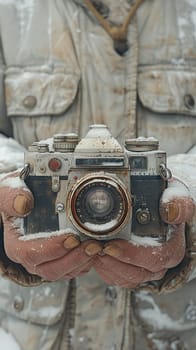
x: 22, y: 205
x: 71, y: 242
x: 172, y: 212
x: 93, y: 249
x: 112, y: 250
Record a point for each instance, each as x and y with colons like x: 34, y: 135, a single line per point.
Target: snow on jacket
x: 59, y: 71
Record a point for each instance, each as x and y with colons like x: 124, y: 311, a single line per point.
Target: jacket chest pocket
x: 169, y: 91
x: 42, y: 305
x: 168, y: 102
x: 39, y: 91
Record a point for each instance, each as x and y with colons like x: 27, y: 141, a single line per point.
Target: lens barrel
x: 99, y: 205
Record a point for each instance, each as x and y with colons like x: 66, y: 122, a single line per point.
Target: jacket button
x: 110, y: 294
x: 30, y: 102
x: 18, y: 303
x: 189, y: 101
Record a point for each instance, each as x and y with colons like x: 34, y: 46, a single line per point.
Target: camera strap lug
x: 165, y: 172
x: 25, y: 172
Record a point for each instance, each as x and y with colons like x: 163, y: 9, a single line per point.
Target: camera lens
x: 98, y: 205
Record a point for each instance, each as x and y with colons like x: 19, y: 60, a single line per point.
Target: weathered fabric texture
x: 59, y: 72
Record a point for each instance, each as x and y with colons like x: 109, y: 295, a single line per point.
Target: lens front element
x: 99, y: 202
x: 99, y: 205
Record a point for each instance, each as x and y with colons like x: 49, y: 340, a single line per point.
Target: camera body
x: 96, y: 187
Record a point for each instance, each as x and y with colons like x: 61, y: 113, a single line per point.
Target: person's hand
x: 52, y: 257
x: 129, y: 264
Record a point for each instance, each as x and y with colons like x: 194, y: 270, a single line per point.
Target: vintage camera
x: 96, y: 187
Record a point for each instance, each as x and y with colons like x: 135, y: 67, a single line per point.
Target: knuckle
x: 30, y: 268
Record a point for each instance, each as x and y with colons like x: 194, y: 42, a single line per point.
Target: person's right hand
x: 53, y: 257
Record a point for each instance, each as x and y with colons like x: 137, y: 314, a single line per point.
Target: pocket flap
x: 39, y: 91
x: 44, y: 304
x: 168, y: 91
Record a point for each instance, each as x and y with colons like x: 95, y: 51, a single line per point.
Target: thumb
x: 15, y: 198
x: 176, y: 205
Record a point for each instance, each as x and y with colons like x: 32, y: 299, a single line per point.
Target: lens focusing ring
x: 99, y: 205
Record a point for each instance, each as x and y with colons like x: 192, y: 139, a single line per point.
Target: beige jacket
x: 60, y: 72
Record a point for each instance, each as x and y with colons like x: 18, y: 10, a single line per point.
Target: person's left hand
x: 128, y: 264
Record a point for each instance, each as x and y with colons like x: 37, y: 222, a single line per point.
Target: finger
x: 178, y: 210
x: 75, y: 260
x: 79, y: 271
x: 33, y: 251
x: 16, y: 198
x: 125, y: 275
x: 154, y: 258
